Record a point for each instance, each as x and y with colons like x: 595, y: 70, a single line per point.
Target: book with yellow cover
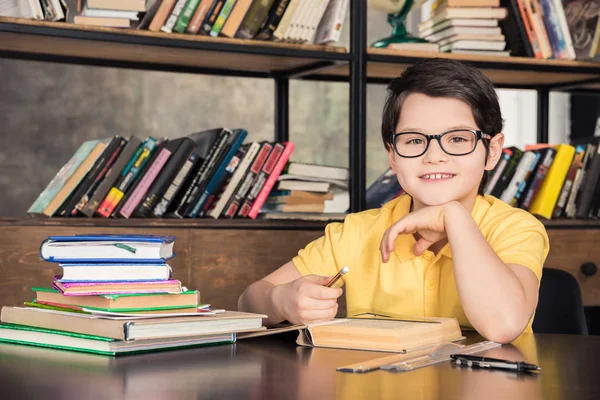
x: 380, y: 334
x: 546, y: 199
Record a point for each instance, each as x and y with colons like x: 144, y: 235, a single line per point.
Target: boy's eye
x: 415, y: 141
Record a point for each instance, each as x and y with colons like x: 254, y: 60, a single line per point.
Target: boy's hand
x: 306, y: 300
x: 428, y: 222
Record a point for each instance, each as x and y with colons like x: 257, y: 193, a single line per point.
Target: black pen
x: 468, y: 360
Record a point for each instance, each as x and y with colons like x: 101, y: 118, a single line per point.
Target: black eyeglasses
x: 457, y: 142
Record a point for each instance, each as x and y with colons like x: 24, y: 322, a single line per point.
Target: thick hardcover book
x: 234, y: 182
x: 233, y: 144
x: 273, y: 18
x: 240, y: 194
x: 230, y: 169
x: 236, y: 18
x: 273, y: 175
x: 211, y: 16
x: 254, y: 18
x: 61, y: 177
x: 508, y: 172
x: 182, y: 149
x: 160, y: 18
x: 154, y: 168
x: 261, y: 178
x: 64, y: 340
x: 92, y: 180
x: 127, y: 177
x: 211, y: 162
x: 102, y: 288
x: 133, y: 329
x: 113, y: 173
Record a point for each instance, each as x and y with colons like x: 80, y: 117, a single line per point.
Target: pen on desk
x: 337, y: 276
x: 494, y: 363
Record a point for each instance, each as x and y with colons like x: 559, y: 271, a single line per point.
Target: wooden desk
x: 274, y: 367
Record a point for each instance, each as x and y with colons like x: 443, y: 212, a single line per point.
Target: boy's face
x: 461, y: 175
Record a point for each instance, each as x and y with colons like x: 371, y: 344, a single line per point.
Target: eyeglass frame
x: 479, y: 135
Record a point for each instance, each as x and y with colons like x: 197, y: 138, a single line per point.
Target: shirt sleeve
x: 328, y: 254
x: 521, y: 239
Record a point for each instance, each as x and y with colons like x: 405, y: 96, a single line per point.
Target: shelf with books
x: 513, y: 72
x: 140, y: 49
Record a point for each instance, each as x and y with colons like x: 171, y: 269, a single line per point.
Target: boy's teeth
x: 437, y: 176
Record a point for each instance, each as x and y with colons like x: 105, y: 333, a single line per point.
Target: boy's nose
x: 434, y: 153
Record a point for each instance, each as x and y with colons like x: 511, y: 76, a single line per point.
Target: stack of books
x: 112, y: 13
x: 466, y: 26
x: 206, y: 174
x: 309, y: 189
x: 115, y: 296
x: 550, y: 181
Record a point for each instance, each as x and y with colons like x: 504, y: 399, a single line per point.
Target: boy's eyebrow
x: 446, y: 130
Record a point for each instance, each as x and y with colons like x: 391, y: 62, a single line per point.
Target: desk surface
x: 274, y: 367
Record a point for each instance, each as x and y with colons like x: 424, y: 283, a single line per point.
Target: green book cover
x: 223, y: 15
x: 186, y: 14
x: 61, y: 177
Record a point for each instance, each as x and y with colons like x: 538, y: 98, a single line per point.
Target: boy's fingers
x: 318, y: 279
x: 421, y: 246
x: 314, y: 304
x: 320, y: 292
x: 314, y: 316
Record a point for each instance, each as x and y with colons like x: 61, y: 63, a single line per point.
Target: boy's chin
x: 436, y: 199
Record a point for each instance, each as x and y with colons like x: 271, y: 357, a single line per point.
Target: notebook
x: 108, y: 248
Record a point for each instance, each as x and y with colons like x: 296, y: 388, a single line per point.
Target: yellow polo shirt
x: 416, y: 285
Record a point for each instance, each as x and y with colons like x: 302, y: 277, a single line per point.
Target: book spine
x: 568, y: 186
x: 111, y: 176
x: 183, y: 150
x: 211, y: 17
x: 264, y: 193
x: 131, y: 171
x: 170, y: 24
x: 216, y: 178
x: 538, y: 179
x: 267, y: 169
x: 185, y: 15
x: 590, y: 180
x: 234, y: 205
x: 273, y: 18
x: 205, y: 169
x: 223, y: 15
x: 564, y: 26
x: 330, y: 27
x: 145, y: 183
x: 162, y: 15
x: 214, y: 198
x: 497, y: 172
x: 254, y: 18
x: 88, y: 194
x: 525, y: 165
x: 526, y: 21
x: 557, y: 38
x: 235, y: 18
x: 198, y: 17
x: 235, y: 180
x: 162, y: 207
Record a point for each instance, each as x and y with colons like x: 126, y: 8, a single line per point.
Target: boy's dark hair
x: 438, y: 77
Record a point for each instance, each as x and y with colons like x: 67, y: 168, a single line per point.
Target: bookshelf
x: 357, y: 66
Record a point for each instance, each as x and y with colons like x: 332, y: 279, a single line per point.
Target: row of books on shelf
x: 206, y: 174
x: 116, y: 295
x: 560, y: 29
x: 550, y: 181
x: 313, y: 21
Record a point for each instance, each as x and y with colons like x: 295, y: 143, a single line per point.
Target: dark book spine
x: 111, y: 176
x: 109, y: 157
x: 513, y: 28
x: 567, y: 186
x: 538, y: 179
x: 211, y: 16
x: 162, y: 182
x: 262, y: 177
x: 232, y: 147
x: 178, y: 183
x: 588, y: 187
x: 236, y: 200
x: 508, y: 172
x: 204, y: 174
x: 273, y: 18
x: 254, y: 18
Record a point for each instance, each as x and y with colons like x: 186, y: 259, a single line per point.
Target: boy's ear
x: 391, y: 156
x: 495, y: 151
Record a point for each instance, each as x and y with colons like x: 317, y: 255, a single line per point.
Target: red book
x: 264, y: 193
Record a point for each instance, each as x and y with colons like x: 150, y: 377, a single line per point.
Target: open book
x: 399, y: 334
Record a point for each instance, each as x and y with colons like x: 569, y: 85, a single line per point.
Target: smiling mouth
x: 437, y: 177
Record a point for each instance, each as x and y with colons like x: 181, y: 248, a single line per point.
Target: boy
x: 443, y: 249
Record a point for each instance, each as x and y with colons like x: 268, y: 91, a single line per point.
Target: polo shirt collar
x: 404, y: 246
